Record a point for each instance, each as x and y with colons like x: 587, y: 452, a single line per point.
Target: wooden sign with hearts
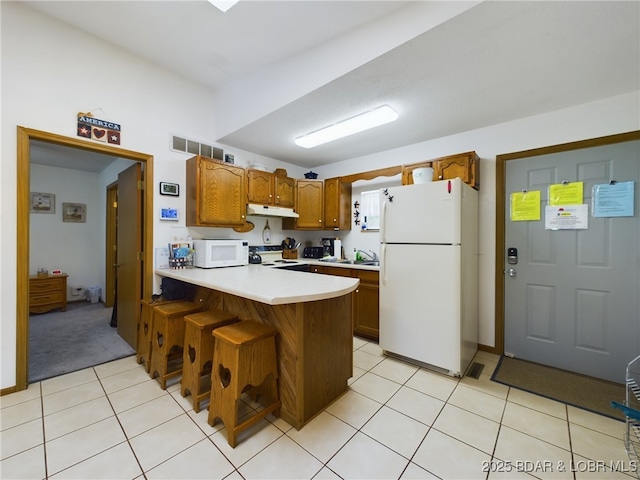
x: 100, y: 130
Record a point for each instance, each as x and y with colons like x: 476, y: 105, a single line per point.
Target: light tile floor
x: 396, y: 421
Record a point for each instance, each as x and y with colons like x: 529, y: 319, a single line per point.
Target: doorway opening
x: 25, y: 137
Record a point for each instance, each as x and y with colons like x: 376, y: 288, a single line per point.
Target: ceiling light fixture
x: 223, y: 5
x: 373, y: 118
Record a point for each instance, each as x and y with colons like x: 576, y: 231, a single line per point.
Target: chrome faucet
x: 372, y: 255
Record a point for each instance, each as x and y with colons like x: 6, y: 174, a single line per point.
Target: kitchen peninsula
x: 312, y: 315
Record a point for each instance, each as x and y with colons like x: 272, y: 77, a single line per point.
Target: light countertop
x: 266, y: 285
x: 356, y: 266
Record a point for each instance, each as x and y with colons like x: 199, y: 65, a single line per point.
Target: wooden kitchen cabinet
x: 466, y: 166
x: 267, y: 188
x: 337, y: 204
x: 366, y: 310
x: 366, y: 302
x: 47, y: 292
x: 309, y: 206
x: 216, y: 193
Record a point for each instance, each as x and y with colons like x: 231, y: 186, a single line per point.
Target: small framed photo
x: 43, y: 202
x: 172, y: 189
x: 74, y: 212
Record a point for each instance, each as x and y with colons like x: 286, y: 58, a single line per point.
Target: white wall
x: 606, y: 117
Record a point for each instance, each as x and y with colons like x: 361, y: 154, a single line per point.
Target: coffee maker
x: 328, y: 246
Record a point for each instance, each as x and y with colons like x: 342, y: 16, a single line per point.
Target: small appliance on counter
x: 332, y: 247
x: 313, y: 252
x: 223, y: 252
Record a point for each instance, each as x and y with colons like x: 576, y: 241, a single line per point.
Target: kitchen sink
x: 371, y: 263
x: 360, y: 262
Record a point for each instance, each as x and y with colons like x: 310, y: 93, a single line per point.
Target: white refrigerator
x: 429, y: 274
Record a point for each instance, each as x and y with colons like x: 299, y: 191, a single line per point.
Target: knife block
x: 290, y: 253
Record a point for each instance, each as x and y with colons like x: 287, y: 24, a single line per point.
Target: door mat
x: 571, y: 388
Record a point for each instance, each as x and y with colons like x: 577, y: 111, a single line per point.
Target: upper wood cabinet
x: 267, y: 188
x: 463, y: 165
x: 216, y: 193
x: 309, y: 206
x: 337, y: 204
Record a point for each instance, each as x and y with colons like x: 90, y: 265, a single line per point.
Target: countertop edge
x: 337, y: 287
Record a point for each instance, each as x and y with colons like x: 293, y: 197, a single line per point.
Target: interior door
x: 572, y: 300
x: 129, y: 248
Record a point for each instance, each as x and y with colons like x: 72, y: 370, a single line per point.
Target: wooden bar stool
x: 145, y: 327
x: 167, y: 339
x: 198, y: 352
x: 244, y: 355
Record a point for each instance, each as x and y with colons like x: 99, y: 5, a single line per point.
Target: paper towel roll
x: 337, y: 248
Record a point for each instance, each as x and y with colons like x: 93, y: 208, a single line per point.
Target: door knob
x: 512, y: 272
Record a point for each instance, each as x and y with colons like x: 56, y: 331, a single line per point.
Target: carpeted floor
x: 571, y: 388
x: 81, y: 337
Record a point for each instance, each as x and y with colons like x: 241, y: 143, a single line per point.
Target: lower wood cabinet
x: 47, y: 293
x: 366, y: 315
x: 366, y: 300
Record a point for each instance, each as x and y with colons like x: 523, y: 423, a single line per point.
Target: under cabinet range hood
x: 270, y: 211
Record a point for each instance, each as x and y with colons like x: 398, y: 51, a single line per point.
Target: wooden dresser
x: 47, y: 292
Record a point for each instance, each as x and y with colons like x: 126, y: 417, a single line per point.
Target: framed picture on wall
x: 74, y: 212
x: 43, y: 202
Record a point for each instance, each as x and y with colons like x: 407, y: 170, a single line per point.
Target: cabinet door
x: 260, y: 187
x: 337, y: 205
x: 321, y: 269
x: 464, y: 166
x: 309, y: 204
x: 407, y: 171
x: 285, y: 191
x: 366, y: 315
x: 221, y: 194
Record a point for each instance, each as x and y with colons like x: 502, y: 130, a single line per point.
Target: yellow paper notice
x: 525, y: 206
x: 566, y: 193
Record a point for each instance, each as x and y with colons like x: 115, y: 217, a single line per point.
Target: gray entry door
x: 573, y: 299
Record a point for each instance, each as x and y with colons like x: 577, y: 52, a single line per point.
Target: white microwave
x: 214, y: 253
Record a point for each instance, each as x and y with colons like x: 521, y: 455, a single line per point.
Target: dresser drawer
x: 37, y: 286
x: 46, y: 298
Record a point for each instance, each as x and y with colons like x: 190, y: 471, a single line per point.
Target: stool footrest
x: 252, y: 421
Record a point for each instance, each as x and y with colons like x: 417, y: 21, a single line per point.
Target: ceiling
x: 488, y: 63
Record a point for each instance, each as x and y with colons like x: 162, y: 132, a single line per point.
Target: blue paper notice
x: 613, y: 200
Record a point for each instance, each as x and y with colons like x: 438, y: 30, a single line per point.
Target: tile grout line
x: 127, y: 440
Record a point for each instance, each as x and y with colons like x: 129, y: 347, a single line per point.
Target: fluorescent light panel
x: 373, y: 118
x: 223, y: 5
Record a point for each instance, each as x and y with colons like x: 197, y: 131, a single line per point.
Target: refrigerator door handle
x: 383, y: 262
x: 383, y: 217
